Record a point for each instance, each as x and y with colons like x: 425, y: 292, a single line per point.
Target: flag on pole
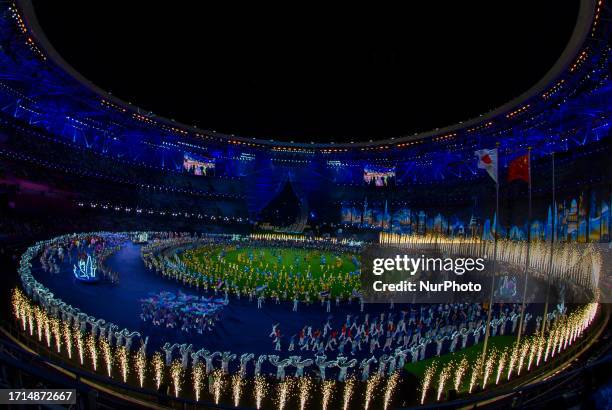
x: 519, y: 169
x: 487, y: 160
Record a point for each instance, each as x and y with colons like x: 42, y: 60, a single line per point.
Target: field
x: 496, y: 344
x: 282, y: 272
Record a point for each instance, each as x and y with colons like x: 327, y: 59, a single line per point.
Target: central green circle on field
x: 286, y: 273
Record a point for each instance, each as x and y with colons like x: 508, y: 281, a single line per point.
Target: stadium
x: 148, y: 263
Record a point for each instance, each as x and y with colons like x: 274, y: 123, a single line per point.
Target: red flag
x: 519, y: 169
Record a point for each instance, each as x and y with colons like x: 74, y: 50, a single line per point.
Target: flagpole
x: 552, y: 246
x: 520, y: 328
x: 489, y: 313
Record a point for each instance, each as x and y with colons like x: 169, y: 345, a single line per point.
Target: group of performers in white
x: 445, y: 326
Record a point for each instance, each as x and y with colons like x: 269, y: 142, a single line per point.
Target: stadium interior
x: 206, y: 241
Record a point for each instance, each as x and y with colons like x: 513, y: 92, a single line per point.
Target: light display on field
x: 197, y: 165
x: 86, y: 270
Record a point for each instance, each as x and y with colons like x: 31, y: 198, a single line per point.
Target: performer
x: 280, y: 366
x: 262, y: 358
x: 382, y: 365
x: 244, y: 361
x: 273, y: 332
x: 185, y: 350
x: 401, y: 357
x: 291, y: 344
x: 322, y: 363
x: 300, y: 365
x: 226, y: 358
x: 365, y: 367
x: 129, y: 337
x: 344, y: 364
x: 168, y: 349
x: 208, y: 359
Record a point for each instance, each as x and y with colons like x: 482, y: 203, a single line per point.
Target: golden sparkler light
x: 16, y: 302
x: 370, y: 391
x: 460, y: 372
x: 553, y: 345
x: 78, y: 339
x: 237, y: 385
x: 501, y: 363
x: 92, y: 349
x: 123, y: 360
x: 67, y: 333
x: 176, y: 374
x: 533, y: 349
x: 47, y: 328
x: 488, y: 367
x: 442, y: 379
x: 512, y: 360
x: 427, y: 377
x: 328, y: 388
x: 390, y: 387
x: 56, y: 331
x: 107, y: 355
x: 197, y: 374
x: 38, y: 315
x: 566, y: 335
x: 158, y: 368
x: 283, y: 392
x: 549, y: 341
x: 19, y: 307
x: 261, y: 390
x: 218, y: 384
x: 540, y: 348
x: 30, y: 315
x: 305, y: 387
x: 140, y: 364
x: 349, y: 388
x: 524, y: 350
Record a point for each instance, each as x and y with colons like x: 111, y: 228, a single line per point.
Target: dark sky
x: 312, y: 73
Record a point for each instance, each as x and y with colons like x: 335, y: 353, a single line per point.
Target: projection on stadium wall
x: 198, y: 165
x: 577, y: 220
x: 378, y: 176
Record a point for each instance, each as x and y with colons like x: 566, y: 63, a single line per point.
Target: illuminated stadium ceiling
x: 340, y: 76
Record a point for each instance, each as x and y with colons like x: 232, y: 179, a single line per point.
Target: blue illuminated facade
x: 435, y: 183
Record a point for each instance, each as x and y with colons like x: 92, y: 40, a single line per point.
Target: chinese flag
x: 519, y: 169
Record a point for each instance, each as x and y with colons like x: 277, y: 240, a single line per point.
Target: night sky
x: 312, y: 73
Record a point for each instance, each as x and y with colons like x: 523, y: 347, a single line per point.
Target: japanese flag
x: 487, y: 159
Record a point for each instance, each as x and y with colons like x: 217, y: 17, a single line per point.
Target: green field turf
x: 497, y: 343
x: 300, y: 260
x: 297, y: 268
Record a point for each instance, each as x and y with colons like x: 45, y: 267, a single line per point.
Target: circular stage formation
x: 284, y: 273
x: 181, y: 307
